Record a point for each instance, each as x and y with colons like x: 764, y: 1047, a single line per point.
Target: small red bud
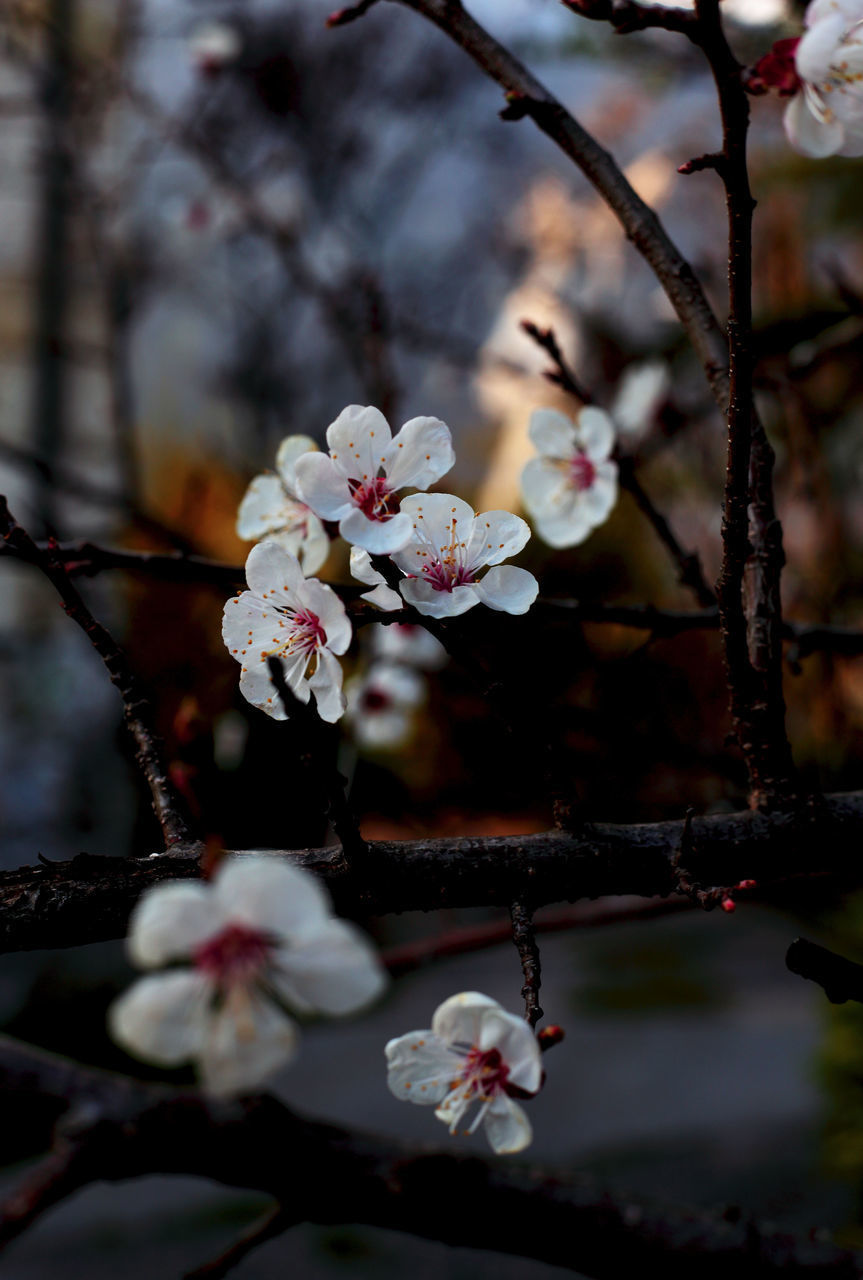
x: 747, y: 884
x: 729, y: 905
x: 548, y: 1037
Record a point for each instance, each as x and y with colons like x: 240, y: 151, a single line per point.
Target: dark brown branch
x: 336, y: 1175
x: 561, y: 375
x: 638, y: 220
x: 320, y: 775
x: 136, y: 710
x: 524, y: 937
x: 626, y: 15
x: 841, y: 979
x: 342, y: 16
x: 752, y: 636
x: 89, y: 899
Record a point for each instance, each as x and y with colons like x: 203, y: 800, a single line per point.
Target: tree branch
x: 89, y: 899
x: 524, y: 937
x: 336, y: 1175
x: 136, y: 709
x: 841, y: 979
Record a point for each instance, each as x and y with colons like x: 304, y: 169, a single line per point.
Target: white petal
x: 420, y: 1068
x: 315, y: 546
x: 506, y: 1126
x: 543, y: 483
x: 258, y: 689
x: 432, y: 603
x: 552, y: 433
x: 335, y: 970
x: 270, y: 569
x: 437, y: 515
x: 359, y: 440
x: 420, y: 454
x: 323, y: 602
x: 408, y: 642
x: 161, y: 1018
x: 265, y: 507
x: 326, y: 684
x: 642, y: 391
x: 819, y: 47
x: 458, y: 1019
x: 383, y: 598
x: 272, y: 895
x: 508, y: 589
x: 567, y: 530
x: 496, y: 535
x: 322, y: 486
x: 384, y: 730
x: 248, y: 1038
x: 170, y: 921
x: 600, y: 498
x: 809, y: 135
x: 517, y: 1044
x: 290, y: 450
x: 363, y: 570
x: 382, y: 537
x: 595, y: 433
x: 398, y: 683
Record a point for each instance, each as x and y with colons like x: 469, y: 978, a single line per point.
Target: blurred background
x: 221, y: 224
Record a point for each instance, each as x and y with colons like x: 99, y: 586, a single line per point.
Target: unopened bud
x: 746, y: 884
x: 548, y: 1037
x: 728, y: 904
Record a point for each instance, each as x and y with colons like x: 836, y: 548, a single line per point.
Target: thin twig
x: 269, y: 1227
x: 136, y: 708
x: 320, y: 775
x: 524, y: 937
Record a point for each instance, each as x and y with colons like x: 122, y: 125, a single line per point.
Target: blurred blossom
x: 450, y: 547
x: 259, y: 936
x: 643, y: 391
x: 826, y: 117
x: 381, y: 702
x: 271, y: 509
x: 357, y: 483
x: 230, y: 735
x: 475, y: 1054
x: 408, y: 643
x: 299, y: 620
x: 571, y: 487
x: 214, y: 45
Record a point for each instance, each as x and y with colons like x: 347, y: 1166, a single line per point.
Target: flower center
x: 376, y: 700
x: 444, y: 574
x: 582, y: 472
x: 307, y: 634
x: 486, y: 1071
x: 236, y: 955
x: 375, y: 498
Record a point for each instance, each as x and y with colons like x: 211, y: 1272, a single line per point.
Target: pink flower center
x: 445, y: 574
x: 376, y: 700
x: 307, y: 634
x: 375, y: 498
x: 486, y: 1071
x: 237, y: 954
x: 582, y: 472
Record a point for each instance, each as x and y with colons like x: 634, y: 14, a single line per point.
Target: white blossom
x: 358, y: 481
x: 450, y: 547
x: 408, y: 643
x: 213, y: 45
x: 571, y: 487
x: 825, y: 117
x: 258, y: 937
x: 642, y: 392
x: 381, y: 702
x: 271, y: 508
x: 475, y: 1055
x: 299, y: 620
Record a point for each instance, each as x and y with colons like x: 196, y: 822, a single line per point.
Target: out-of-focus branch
x: 269, y: 1227
x: 337, y: 1175
x: 136, y: 709
x: 89, y: 898
x: 841, y: 979
x: 627, y: 15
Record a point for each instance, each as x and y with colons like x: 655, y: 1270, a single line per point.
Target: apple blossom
x: 475, y: 1054
x: 571, y: 487
x: 299, y: 620
x: 826, y: 117
x: 259, y: 936
x: 450, y: 546
x: 380, y: 703
x: 271, y: 509
x: 357, y: 482
x: 408, y: 643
